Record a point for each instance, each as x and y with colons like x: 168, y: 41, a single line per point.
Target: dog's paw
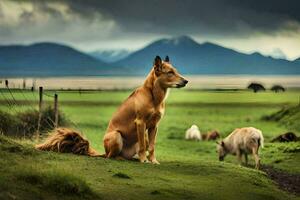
x: 144, y: 160
x: 154, y: 161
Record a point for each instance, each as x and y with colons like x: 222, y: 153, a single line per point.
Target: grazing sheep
x: 242, y: 141
x: 193, y: 133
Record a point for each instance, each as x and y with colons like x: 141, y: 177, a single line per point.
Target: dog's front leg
x: 141, y: 128
x: 152, y: 138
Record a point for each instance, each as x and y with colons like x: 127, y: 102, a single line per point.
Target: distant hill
x: 110, y: 55
x: 50, y: 59
x: 191, y: 57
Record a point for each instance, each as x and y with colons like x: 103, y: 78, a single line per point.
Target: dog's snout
x: 182, y: 83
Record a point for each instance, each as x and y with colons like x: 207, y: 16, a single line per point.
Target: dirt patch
x: 285, y: 181
x: 121, y: 175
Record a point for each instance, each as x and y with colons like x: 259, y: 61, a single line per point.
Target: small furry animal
x: 211, y: 135
x: 193, y: 133
x: 286, y: 137
x: 242, y: 141
x: 65, y: 140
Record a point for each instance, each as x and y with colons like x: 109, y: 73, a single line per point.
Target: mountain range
x: 50, y: 59
x: 188, y: 56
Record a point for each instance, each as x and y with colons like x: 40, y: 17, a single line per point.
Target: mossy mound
x: 25, y: 124
x: 287, y: 116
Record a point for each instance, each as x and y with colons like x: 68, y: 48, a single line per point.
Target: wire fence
x: 8, y: 95
x: 18, y: 99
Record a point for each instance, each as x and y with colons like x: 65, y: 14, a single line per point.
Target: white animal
x: 242, y: 141
x: 193, y: 133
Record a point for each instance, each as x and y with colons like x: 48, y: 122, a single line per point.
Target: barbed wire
x: 11, y: 105
x: 14, y: 100
x: 19, y: 104
x: 48, y: 95
x: 7, y: 101
x: 34, y: 95
x: 26, y: 99
x: 50, y: 125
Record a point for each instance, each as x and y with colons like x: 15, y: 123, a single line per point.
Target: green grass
x: 188, y: 170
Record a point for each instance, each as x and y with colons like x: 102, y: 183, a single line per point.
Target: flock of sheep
x: 241, y: 142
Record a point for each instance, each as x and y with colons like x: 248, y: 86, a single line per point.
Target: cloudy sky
x: 271, y: 27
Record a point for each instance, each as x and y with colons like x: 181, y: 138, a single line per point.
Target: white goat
x: 242, y: 141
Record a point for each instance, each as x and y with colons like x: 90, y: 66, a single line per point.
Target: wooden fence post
x: 40, y: 111
x: 56, y: 109
x: 24, y: 84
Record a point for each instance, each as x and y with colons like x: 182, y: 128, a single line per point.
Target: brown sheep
x: 212, y: 135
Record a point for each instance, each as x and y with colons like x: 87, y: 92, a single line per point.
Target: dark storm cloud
x: 288, y: 8
x: 248, y: 25
x: 193, y: 17
x: 189, y: 16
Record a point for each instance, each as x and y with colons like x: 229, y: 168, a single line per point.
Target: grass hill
x: 188, y: 169
x: 288, y: 116
x: 29, y: 174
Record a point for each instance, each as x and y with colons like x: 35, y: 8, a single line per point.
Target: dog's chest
x: 155, y: 115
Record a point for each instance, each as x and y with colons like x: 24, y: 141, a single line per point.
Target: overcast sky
x: 268, y: 26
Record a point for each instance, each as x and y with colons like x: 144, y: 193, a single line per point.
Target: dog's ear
x: 167, y: 59
x: 157, y: 64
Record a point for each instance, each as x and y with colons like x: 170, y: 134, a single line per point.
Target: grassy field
x: 188, y: 170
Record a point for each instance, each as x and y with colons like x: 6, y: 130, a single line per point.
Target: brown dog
x: 137, y: 118
x: 65, y: 140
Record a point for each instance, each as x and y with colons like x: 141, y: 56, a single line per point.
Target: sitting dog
x: 138, y: 116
